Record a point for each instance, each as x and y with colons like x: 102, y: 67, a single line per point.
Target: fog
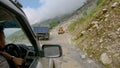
x: 52, y: 8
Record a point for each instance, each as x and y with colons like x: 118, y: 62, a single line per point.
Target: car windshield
x: 12, y: 30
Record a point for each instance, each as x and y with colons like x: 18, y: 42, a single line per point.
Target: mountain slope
x: 99, y: 35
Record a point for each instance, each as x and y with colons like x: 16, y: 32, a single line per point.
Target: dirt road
x: 72, y: 56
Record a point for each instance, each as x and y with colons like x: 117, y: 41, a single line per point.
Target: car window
x: 13, y: 31
x: 16, y: 35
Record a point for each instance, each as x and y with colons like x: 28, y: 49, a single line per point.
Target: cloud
x: 51, y: 8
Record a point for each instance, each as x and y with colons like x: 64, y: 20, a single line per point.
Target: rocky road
x: 72, y: 56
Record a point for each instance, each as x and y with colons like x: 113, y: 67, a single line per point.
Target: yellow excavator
x: 60, y: 30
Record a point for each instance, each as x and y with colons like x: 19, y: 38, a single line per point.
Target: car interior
x: 17, y: 43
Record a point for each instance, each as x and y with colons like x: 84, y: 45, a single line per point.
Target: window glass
x: 13, y: 32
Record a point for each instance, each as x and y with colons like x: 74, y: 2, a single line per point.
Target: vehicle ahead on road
x: 60, y: 30
x: 20, y: 38
x: 42, y: 33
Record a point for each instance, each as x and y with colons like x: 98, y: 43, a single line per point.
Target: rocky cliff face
x: 101, y: 36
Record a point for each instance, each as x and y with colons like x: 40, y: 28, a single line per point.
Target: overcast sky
x: 39, y: 10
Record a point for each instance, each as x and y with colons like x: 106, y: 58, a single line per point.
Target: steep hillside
x: 98, y: 33
x: 86, y: 8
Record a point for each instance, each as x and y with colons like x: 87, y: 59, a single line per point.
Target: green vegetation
x: 53, y: 24
x: 86, y: 17
x: 99, y: 2
x: 18, y: 36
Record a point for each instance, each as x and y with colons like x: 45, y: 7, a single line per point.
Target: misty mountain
x: 51, y: 9
x: 85, y: 8
x: 52, y: 22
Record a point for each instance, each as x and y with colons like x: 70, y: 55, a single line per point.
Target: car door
x: 19, y: 32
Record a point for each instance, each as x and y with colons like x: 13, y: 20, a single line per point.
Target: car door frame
x: 21, y: 17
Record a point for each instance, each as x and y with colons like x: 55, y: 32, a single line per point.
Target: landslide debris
x: 100, y: 37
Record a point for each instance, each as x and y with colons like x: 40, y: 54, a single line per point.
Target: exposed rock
x: 105, y: 59
x: 114, y: 4
x: 104, y: 10
x: 95, y: 24
x: 107, y: 15
x: 83, y: 56
x: 91, y: 56
x: 106, y: 19
x: 83, y: 32
x: 90, y: 29
x: 118, y: 29
x: 101, y: 40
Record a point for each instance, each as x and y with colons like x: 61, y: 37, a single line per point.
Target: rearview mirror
x: 51, y: 50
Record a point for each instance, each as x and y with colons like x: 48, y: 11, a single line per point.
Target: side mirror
x: 52, y: 51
